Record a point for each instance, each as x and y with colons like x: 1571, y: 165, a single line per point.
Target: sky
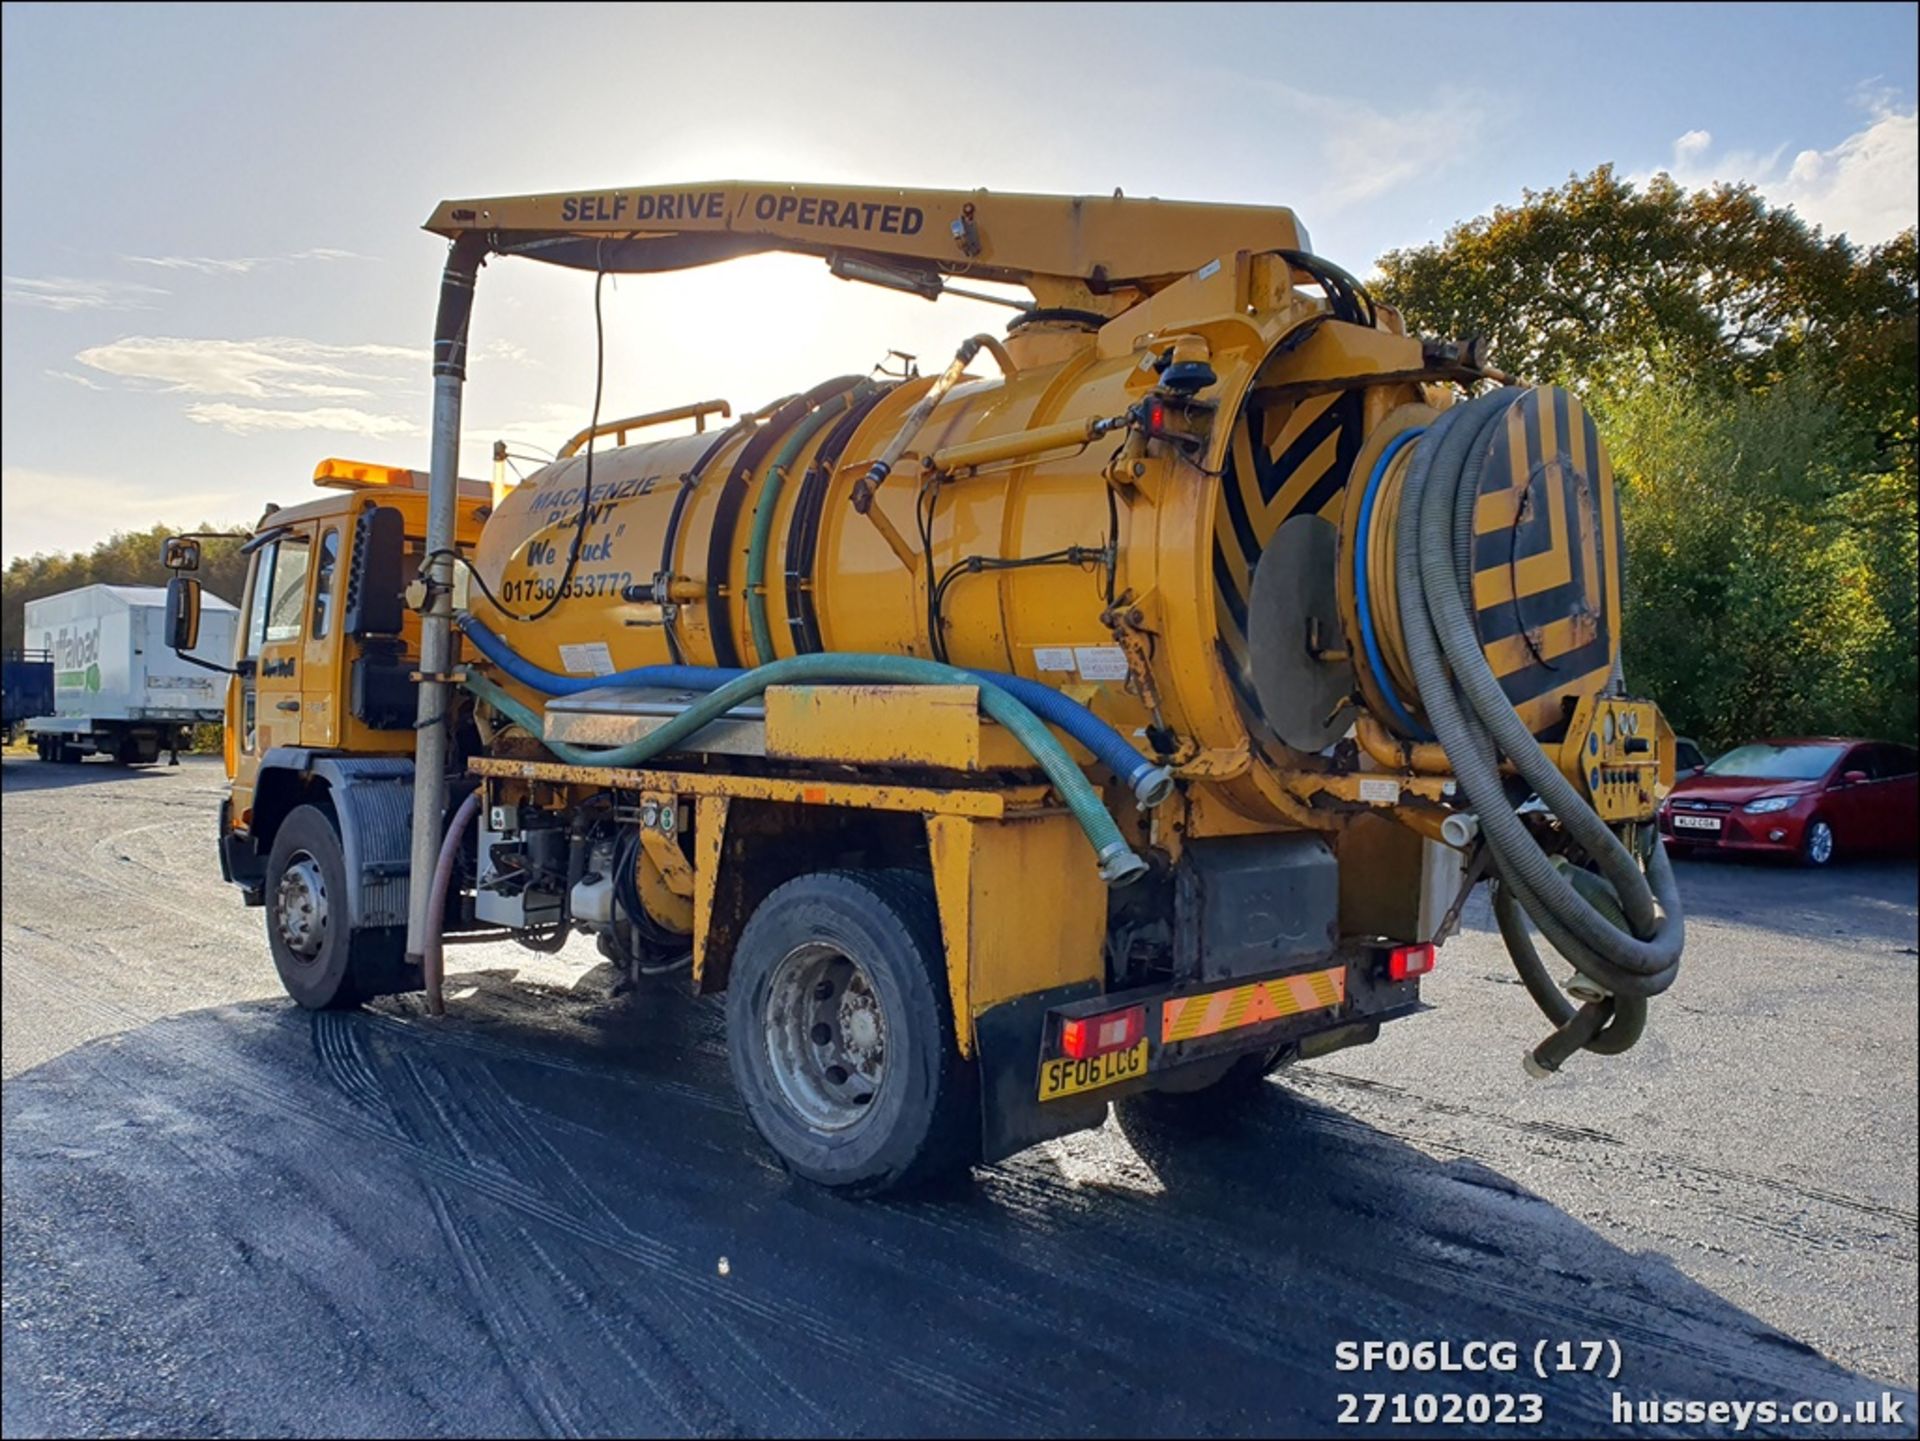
x: 209, y: 215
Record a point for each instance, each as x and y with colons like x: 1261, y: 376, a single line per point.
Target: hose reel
x: 1485, y: 590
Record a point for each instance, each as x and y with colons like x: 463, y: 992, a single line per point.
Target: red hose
x: 433, y: 961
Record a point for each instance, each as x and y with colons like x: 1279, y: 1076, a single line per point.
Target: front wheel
x: 1816, y: 846
x: 323, y: 962
x: 840, y: 1033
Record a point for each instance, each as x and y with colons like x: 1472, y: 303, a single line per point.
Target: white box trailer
x: 118, y: 689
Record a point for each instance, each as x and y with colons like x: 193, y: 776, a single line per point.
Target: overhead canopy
x: 1100, y: 241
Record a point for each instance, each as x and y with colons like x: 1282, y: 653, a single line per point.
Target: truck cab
x: 323, y: 693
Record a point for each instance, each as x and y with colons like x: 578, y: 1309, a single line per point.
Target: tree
x: 1757, y: 382
x: 125, y: 558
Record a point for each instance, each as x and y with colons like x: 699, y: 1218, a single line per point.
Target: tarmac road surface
x: 546, y: 1214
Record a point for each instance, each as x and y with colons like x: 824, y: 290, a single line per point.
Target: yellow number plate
x: 1064, y: 1077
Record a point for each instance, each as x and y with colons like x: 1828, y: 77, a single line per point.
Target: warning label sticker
x: 587, y: 658
x: 1101, y: 662
x: 1053, y: 657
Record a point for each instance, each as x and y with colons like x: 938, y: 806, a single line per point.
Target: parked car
x: 1688, y: 758
x: 1810, y: 798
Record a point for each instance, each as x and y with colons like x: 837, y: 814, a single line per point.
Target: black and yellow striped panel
x: 1287, y: 459
x: 1546, y: 558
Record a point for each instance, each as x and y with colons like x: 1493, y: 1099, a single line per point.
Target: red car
x: 1810, y: 798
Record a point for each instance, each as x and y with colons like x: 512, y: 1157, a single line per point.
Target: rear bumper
x: 1322, y: 1007
x: 1778, y: 833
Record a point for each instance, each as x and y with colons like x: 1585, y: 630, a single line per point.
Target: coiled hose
x: 1118, y: 863
x: 1622, y: 929
x: 1149, y: 780
x: 762, y: 529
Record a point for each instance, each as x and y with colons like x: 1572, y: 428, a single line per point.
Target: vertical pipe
x: 436, y: 620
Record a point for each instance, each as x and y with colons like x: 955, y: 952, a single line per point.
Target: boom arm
x: 1068, y: 250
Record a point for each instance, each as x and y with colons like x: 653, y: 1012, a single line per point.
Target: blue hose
x: 1363, y: 601
x: 1150, y: 782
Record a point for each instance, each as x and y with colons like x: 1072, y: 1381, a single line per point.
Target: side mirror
x: 377, y: 573
x: 183, y: 611
x: 179, y: 553
x: 1854, y: 778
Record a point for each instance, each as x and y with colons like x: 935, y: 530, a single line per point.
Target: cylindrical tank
x: 1133, y: 549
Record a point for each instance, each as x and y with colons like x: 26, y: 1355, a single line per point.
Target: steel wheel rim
x: 826, y: 1035
x: 300, y: 906
x: 1820, y: 843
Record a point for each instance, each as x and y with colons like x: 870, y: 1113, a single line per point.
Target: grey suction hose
x: 433, y: 965
x: 1119, y: 865
x: 1629, y: 947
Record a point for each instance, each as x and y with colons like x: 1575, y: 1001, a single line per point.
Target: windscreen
x: 1776, y: 763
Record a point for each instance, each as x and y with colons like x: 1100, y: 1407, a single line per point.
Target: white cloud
x: 262, y: 369
x: 80, y: 380
x: 238, y: 265
x: 53, y: 511
x: 343, y: 419
x: 67, y: 293
x: 1364, y: 152
x: 1867, y: 187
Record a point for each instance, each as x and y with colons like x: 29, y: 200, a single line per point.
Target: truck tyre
x: 840, y: 1033
x: 324, y: 964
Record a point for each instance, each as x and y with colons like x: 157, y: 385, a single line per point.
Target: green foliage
x: 126, y: 558
x: 1766, y: 589
x: 1756, y: 382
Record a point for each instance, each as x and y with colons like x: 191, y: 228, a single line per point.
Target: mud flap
x: 1008, y: 1040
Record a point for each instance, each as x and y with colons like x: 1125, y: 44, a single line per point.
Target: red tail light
x: 1086, y: 1036
x: 1408, y: 961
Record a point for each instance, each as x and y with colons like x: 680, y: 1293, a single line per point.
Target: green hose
x: 769, y: 502
x: 1118, y: 863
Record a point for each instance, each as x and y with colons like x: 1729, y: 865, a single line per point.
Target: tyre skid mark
x: 461, y: 1039
x: 984, y: 1399
x: 698, y: 1411
x: 98, y: 870
x: 521, y: 1363
x: 1388, y: 1277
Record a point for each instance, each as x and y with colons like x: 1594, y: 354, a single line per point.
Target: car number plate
x: 1064, y: 1076
x: 1696, y: 823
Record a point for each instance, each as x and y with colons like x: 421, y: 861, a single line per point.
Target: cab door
x: 1851, y: 805
x: 267, y: 693
x: 320, y: 690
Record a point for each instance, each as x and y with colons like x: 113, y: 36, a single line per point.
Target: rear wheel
x: 324, y: 963
x: 1816, y: 844
x: 840, y: 1033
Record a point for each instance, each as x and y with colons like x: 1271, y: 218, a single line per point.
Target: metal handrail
x: 696, y: 412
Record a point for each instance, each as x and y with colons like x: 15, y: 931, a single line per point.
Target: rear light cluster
x: 1405, y: 962
x: 1083, y: 1037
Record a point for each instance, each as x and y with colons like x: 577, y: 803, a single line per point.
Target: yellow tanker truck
x: 1117, y: 714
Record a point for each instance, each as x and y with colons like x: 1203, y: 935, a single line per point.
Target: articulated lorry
x: 119, y: 689
x: 1118, y: 714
